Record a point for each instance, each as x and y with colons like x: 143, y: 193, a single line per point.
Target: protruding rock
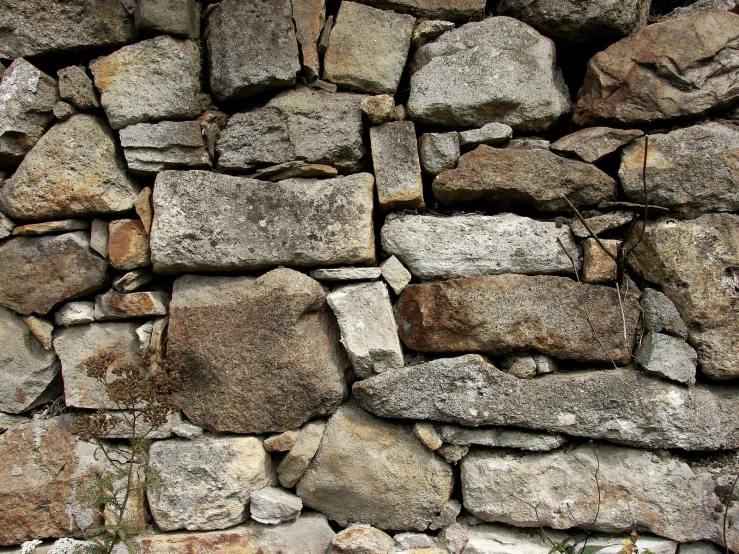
x: 347, y: 274
x: 600, y: 223
x: 114, y: 305
x: 153, y: 147
x: 661, y: 315
x: 447, y: 516
x: 63, y: 226
x: 524, y: 364
x: 296, y: 461
x: 360, y: 538
x: 668, y: 357
x: 490, y: 133
x: 75, y: 313
x: 402, y: 486
x: 281, y: 442
x: 76, y: 87
x: 433, y: 9
x: 379, y: 109
x: 180, y: 18
x: 595, y: 143
x: 695, y: 8
x: 395, y: 274
x: 132, y: 280
x: 128, y: 244
x: 428, y: 435
x: 438, y: 151
x: 42, y: 329
x: 309, y: 17
x: 453, y: 453
x: 499, y: 437
x: 273, y: 505
x: 99, y: 236
x: 63, y: 111
x: 427, y: 30
x: 396, y: 165
x: 597, y: 265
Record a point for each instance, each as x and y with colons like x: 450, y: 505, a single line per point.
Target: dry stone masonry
x: 435, y: 276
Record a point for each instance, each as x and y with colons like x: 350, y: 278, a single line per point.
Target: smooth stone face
x: 502, y: 438
x: 468, y: 391
x: 256, y: 225
x: 73, y: 170
x: 466, y: 245
x: 114, y: 305
x: 668, y: 357
x: 395, y: 274
x: 37, y: 273
x: 454, y: 86
x: 256, y: 355
x: 76, y: 87
x: 661, y: 315
x: 75, y: 313
x: 128, y: 244
x: 432, y: 9
x: 438, y: 151
x: 251, y: 48
x: 310, y: 125
x: 293, y: 465
x: 180, y: 18
x: 153, y: 147
x: 509, y: 178
x: 161, y: 75
x: 193, y: 499
x: 490, y: 133
x: 64, y: 226
x: 595, y: 143
x: 682, y: 67
x: 692, y: 171
x: 400, y: 486
x: 273, y: 505
x: 695, y: 263
x: 347, y: 274
x: 396, y: 165
x: 309, y: 17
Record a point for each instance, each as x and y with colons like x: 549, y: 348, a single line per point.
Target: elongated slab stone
x: 498, y: 314
x: 466, y: 245
x: 595, y: 143
x: 153, y: 147
x: 211, y: 222
x: 433, y: 9
x: 469, y: 391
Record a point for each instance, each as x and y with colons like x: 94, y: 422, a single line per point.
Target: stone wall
x: 438, y: 276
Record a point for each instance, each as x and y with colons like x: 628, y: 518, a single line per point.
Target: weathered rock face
x: 314, y: 126
x: 154, y: 147
x: 500, y: 437
x: 257, y: 355
x: 432, y: 9
x: 37, y: 273
x: 483, y: 314
x: 701, y: 6
x: 65, y: 225
x: 396, y: 166
x: 438, y: 151
x: 273, y: 505
x: 73, y: 170
x: 193, y: 499
x: 469, y: 391
x: 660, y: 314
x: 660, y: 493
x: 76, y: 87
x: 296, y: 461
x: 162, y: 74
x: 173, y: 17
x: 34, y: 27
x: 667, y: 357
x: 309, y: 17
x: 453, y: 85
x: 691, y: 171
x: 695, y: 262
x: 466, y: 245
x: 509, y: 178
x: 128, y: 244
x: 595, y: 143
x: 257, y: 224
x: 251, y: 48
x: 678, y: 68
x: 401, y: 486
x: 114, y: 305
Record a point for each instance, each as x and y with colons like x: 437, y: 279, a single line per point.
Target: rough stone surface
x: 273, y: 505
x: 379, y: 108
x: 347, y: 274
x: 501, y: 438
x: 447, y: 516
x: 281, y: 442
x: 180, y: 18
x: 468, y: 391
x: 73, y: 170
x: 28, y: 371
x: 251, y: 48
x: 691, y: 171
x: 99, y: 236
x: 304, y: 124
x: 427, y: 30
x: 75, y: 313
x: 409, y: 541
x: 395, y: 274
x: 428, y: 435
x: 375, y: 472
x: 144, y: 208
x: 490, y: 133
x: 508, y: 178
x: 132, y: 280
x: 162, y: 74
x: 661, y: 315
x: 309, y: 17
x: 600, y: 223
x: 6, y: 225
x: 41, y: 329
x: 595, y: 143
x: 368, y: 330
x: 258, y: 355
x: 438, y: 151
x: 368, y: 49
x: 466, y: 245
x: 528, y: 143
x: 258, y: 224
x: 296, y: 461
x: 524, y: 365
x: 63, y: 226
x: 678, y: 68
x: 396, y: 165
x: 303, y: 171
x: 362, y: 539
x: 433, y: 9
x: 63, y: 111
x: 454, y: 86
x: 76, y: 87
x: 7, y: 421
x: 597, y: 265
x: 27, y: 99
x: 37, y: 273
x: 128, y: 244
x: 114, y: 305
x: 668, y: 357
x: 207, y: 482
x: 699, y: 7
x: 695, y: 262
x: 153, y: 147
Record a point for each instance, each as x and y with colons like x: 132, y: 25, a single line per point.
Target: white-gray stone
x: 75, y: 313
x: 281, y: 442
x: 465, y: 245
x: 99, y: 236
x: 347, y: 274
x: 395, y: 274
x: 595, y: 143
x: 698, y: 548
x: 49, y: 227
x: 296, y: 461
x: 409, y: 541
x: 599, y: 223
x: 699, y: 7
x: 273, y: 505
x: 153, y: 147
x: 525, y: 364
x: 661, y: 315
x: 6, y: 224
x: 438, y: 151
x: 379, y: 108
x: 368, y: 330
x: 499, y: 437
x: 396, y: 166
x: 187, y: 431
x: 490, y: 133
x: 528, y: 143
x: 668, y: 357
x: 76, y: 87
x: 63, y: 111
x: 427, y: 30
x: 448, y: 515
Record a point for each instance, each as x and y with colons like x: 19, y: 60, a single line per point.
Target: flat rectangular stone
x: 396, y: 164
x: 153, y: 147
x: 347, y: 274
x: 115, y: 305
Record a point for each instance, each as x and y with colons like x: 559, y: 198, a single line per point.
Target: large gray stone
x: 373, y: 471
x: 255, y: 224
x: 153, y: 147
x: 469, y: 391
x: 251, y: 48
x: 76, y: 87
x: 692, y: 171
x: 595, y: 143
x: 668, y: 357
x: 255, y: 355
x: 206, y: 483
x: 466, y: 245
x: 433, y: 9
x: 303, y: 124
x: 453, y: 84
x: 73, y: 170
x: 151, y: 80
x: 396, y: 166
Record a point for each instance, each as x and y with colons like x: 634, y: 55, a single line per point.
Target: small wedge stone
x: 438, y: 151
x: 661, y: 315
x: 128, y: 244
x: 428, y: 435
x: 597, y: 265
x: 293, y: 465
x: 63, y: 226
x: 273, y: 505
x: 132, y: 280
x: 490, y: 133
x: 395, y: 274
x: 448, y: 515
x: 99, y: 237
x: 379, y: 109
x: 76, y: 87
x: 75, y: 313
x: 668, y: 357
x: 42, y: 329
x: 282, y: 442
x: 427, y: 30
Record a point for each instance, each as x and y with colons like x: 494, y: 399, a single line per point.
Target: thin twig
x: 588, y: 229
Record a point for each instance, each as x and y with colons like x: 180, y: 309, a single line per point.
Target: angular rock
x: 282, y: 442
x: 35, y: 27
x: 395, y: 274
x: 696, y: 263
x: 682, y: 67
x: 468, y: 391
x: 363, y: 539
x: 692, y: 171
x: 402, y: 486
x: 76, y: 87
x: 6, y: 224
x: 72, y: 171
x: 64, y: 226
x: 699, y: 7
x: 438, y: 151
x: 368, y: 49
x: 600, y: 223
x: 273, y: 505
x: 187, y: 431
x: 490, y: 133
x: 144, y: 208
x: 661, y: 315
x: 595, y: 143
x: 193, y: 499
x: 180, y: 18
x: 37, y: 273
x: 668, y: 357
x: 257, y: 355
x: 153, y: 147
x: 427, y: 30
x: 509, y: 178
x: 347, y: 274
x: 304, y: 124
x: 433, y: 9
x: 304, y: 171
x: 323, y: 39
x: 75, y: 313
x: 453, y: 85
x: 447, y: 516
x: 379, y: 109
x: 309, y: 17
x: 42, y: 329
x: 368, y: 330
x: 428, y: 435
x: 660, y: 492
x: 296, y: 461
x: 502, y: 438
x: 7, y: 421
x: 251, y: 48
x: 527, y: 143
x: 28, y: 372
x: 99, y: 236
x: 114, y: 305
x: 524, y: 364
x: 162, y: 74
x: 466, y: 245
x: 410, y: 541
x: 63, y: 111
x: 128, y: 244
x: 396, y: 165
x: 597, y: 265
x: 132, y: 280
x: 261, y: 225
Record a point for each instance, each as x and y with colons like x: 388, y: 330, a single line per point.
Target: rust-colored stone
x: 309, y: 17
x: 128, y: 245
x: 114, y: 305
x: 597, y: 266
